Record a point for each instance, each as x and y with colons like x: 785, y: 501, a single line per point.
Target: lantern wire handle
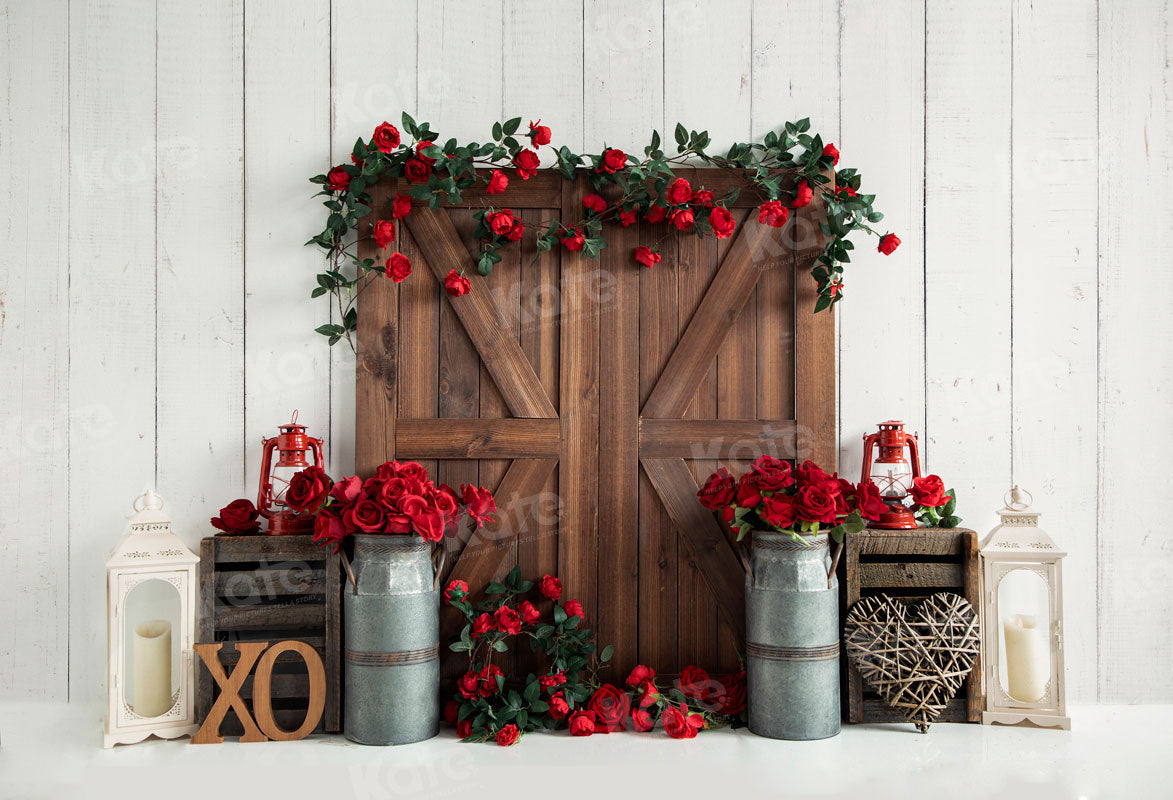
x: 1013, y: 499
x: 149, y: 500
x: 293, y: 421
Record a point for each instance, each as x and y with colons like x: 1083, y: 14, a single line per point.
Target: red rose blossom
x: 613, y: 160
x: 656, y: 213
x: 417, y: 170
x: 480, y: 503
x: 629, y: 217
x: 679, y: 723
x: 682, y: 218
x: 464, y: 728
x: 719, y: 490
x: 456, y: 590
x: 836, y: 288
x: 500, y: 222
x: 456, y: 284
x: 749, y: 494
x: 384, y: 233
x: 469, y: 685
x: 595, y: 203
x: 680, y: 192
x: 648, y: 693
x: 385, y: 137
x: 307, y: 489
x: 420, y: 147
x: 929, y: 491
x: 582, y: 723
x: 366, y: 515
x: 702, y: 197
x: 338, y: 179
x: 773, y: 213
x: 573, y: 609
x: 498, y: 182
x: 802, y: 195
x: 778, y: 510
x: 516, y: 231
x: 693, y: 681
x: 810, y: 472
x: 888, y: 244
x: 559, y: 708
x: 508, y: 620
x: 482, y: 624
x: 451, y: 712
x: 430, y: 524
x: 401, y: 206
x: 347, y: 490
x: 722, y: 222
x: 489, y: 683
x: 646, y: 256
x: 727, y: 694
x: 814, y: 503
x: 539, y: 133
x: 529, y: 612
x: 507, y: 735
x: 868, y: 501
x: 526, y: 162
x: 329, y: 531
x: 548, y: 682
x: 611, y: 706
x: 830, y: 149
x: 641, y: 720
x: 640, y: 674
x: 238, y: 517
x: 550, y: 587
x: 772, y: 473
x: 398, y: 267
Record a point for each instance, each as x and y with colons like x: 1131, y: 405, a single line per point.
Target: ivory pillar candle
x: 1027, y: 658
x: 152, y: 668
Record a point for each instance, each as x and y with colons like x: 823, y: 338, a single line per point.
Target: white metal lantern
x: 1022, y: 620
x: 150, y: 620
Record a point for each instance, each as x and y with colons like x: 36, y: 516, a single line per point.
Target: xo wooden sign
x: 265, y: 726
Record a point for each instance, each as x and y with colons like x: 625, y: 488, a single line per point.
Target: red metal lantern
x: 892, y: 472
x: 292, y: 445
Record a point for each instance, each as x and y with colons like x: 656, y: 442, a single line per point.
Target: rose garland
x: 569, y: 693
x: 645, y: 187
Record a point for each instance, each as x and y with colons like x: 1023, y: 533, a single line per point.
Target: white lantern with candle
x: 1022, y: 620
x: 150, y: 622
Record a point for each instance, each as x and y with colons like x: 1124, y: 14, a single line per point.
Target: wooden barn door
x: 593, y: 397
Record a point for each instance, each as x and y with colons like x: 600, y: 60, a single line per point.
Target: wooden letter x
x: 230, y: 686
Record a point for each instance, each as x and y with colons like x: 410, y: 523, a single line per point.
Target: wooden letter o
x: 262, y: 698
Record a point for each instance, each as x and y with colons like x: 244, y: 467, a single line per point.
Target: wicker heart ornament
x: 915, y: 655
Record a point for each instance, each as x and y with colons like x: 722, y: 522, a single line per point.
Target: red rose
x: 628, y: 217
x: 646, y: 256
x: 420, y: 147
x: 398, y: 267
x: 539, y: 134
x: 479, y: 502
x: 929, y: 491
x: 384, y: 233
x: 702, y: 197
x: 802, y: 195
x: 772, y: 473
x: 679, y: 192
x: 837, y: 288
x: 526, y: 162
x: 338, y: 179
x: 814, y: 503
x: 611, y: 706
x: 648, y: 693
x: 366, y: 515
x: 888, y: 243
x: 498, y: 182
x: 429, y: 524
x: 682, y: 218
x: 401, y: 206
x: 573, y: 240
x: 748, y: 492
x: 641, y: 720
x: 722, y: 222
x: 831, y: 150
x: 386, y: 137
x: 358, y: 162
x: 489, y: 683
x: 848, y: 191
x: 464, y: 728
x: 451, y: 712
x: 679, y: 723
x: 508, y: 620
x: 328, y: 529
x: 810, y: 472
x: 417, y: 170
x: 559, y: 708
x: 307, y: 489
x: 469, y: 685
x: 548, y: 682
x: 773, y: 213
x: 639, y: 675
x: 727, y: 694
x: 656, y: 214
x: 500, y: 222
x: 347, y: 490
x: 778, y: 510
x: 238, y: 517
x: 869, y: 502
x: 613, y: 160
x: 550, y: 587
x: 693, y: 681
x: 573, y: 609
x: 582, y: 723
x: 456, y: 590
x: 516, y: 231
x: 482, y: 624
x: 456, y: 284
x: 595, y: 203
x: 529, y: 612
x: 719, y: 490
x: 507, y: 735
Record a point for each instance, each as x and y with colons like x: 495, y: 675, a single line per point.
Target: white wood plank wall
x: 154, y: 319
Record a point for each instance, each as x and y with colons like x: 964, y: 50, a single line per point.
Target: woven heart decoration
x: 915, y: 655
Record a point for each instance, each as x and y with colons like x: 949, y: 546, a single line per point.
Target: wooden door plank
x: 377, y: 358
x: 698, y: 344
x: 742, y: 439
x: 438, y: 239
x: 478, y: 438
x: 700, y: 531
x: 419, y: 328
x: 579, y: 407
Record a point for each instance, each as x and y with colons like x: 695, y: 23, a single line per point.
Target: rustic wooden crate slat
x: 910, y: 565
x: 272, y: 588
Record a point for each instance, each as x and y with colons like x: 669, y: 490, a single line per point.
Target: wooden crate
x: 910, y: 565
x: 271, y: 588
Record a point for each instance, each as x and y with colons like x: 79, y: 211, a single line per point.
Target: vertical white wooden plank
x: 623, y: 67
x: 200, y: 250
x: 34, y: 351
x: 549, y: 34
x: 881, y: 321
x: 369, y: 85
x: 967, y: 252
x: 287, y: 139
x: 462, y: 66
x: 710, y: 92
x: 1135, y: 353
x: 112, y: 354
x: 1054, y: 300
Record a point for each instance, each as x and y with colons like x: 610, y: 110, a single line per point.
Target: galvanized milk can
x: 792, y: 638
x: 391, y: 616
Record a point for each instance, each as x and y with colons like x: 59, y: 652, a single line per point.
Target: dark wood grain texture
x: 478, y: 438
